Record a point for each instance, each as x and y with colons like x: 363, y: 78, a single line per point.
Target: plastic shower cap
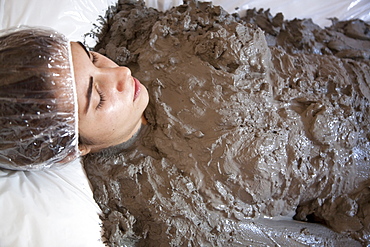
x: 38, y: 109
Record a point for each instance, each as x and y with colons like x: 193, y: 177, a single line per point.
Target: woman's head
x: 37, y: 109
x: 41, y: 73
x: 111, y: 101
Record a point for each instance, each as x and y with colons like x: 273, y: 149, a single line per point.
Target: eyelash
x: 94, y: 57
x: 102, y: 99
x: 101, y: 94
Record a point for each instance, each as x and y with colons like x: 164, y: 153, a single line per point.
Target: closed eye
x: 102, y: 99
x: 94, y: 57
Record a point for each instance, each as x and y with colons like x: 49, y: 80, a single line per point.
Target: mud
x: 253, y: 121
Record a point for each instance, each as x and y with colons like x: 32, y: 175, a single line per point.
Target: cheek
x: 115, y: 116
x: 119, y: 107
x: 144, y: 99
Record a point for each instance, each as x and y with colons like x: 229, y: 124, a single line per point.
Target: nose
x: 116, y: 77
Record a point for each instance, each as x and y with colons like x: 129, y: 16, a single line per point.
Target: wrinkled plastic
x: 319, y: 11
x: 38, y: 117
x: 77, y: 18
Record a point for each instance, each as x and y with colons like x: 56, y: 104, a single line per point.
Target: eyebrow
x: 88, y: 94
x: 91, y: 82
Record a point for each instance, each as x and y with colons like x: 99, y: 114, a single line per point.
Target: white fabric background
x: 48, y: 209
x: 76, y: 17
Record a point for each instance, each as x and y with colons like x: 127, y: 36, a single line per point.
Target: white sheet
x: 76, y: 18
x: 48, y: 208
x: 319, y: 11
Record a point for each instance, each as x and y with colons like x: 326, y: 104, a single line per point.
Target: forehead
x: 80, y: 58
x: 81, y: 62
x: 83, y: 47
x: 82, y: 72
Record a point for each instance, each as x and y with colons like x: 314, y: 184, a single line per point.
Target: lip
x: 137, y: 88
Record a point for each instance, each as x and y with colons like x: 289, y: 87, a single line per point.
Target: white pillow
x: 48, y: 208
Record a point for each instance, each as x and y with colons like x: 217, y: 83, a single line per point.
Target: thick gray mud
x: 249, y: 118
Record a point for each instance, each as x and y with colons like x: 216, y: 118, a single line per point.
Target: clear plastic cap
x: 38, y: 106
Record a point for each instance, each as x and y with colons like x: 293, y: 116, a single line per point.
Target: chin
x: 145, y: 96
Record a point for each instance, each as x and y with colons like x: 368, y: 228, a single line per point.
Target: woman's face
x: 110, y: 101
